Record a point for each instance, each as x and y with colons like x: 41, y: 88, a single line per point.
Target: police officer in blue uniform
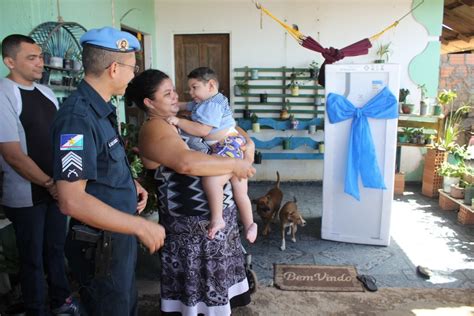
x: 94, y: 182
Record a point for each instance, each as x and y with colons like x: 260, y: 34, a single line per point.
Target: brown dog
x: 269, y: 204
x: 290, y: 217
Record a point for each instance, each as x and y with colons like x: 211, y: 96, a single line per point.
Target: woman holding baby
x: 198, y: 275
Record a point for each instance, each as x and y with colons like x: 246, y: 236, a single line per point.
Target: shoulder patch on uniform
x: 71, y: 142
x: 71, y: 166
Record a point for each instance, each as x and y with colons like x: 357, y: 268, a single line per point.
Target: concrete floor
x: 421, y: 234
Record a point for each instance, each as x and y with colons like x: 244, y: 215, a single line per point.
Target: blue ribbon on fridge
x: 361, y: 154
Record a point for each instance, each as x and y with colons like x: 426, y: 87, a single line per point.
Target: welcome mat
x: 304, y: 277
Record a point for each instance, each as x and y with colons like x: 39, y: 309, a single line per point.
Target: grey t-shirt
x: 17, y: 191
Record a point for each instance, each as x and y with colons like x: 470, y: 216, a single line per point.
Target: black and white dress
x: 198, y: 275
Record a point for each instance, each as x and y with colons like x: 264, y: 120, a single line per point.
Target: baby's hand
x: 173, y: 120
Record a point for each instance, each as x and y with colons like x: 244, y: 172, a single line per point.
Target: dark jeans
x: 113, y: 294
x: 40, y: 233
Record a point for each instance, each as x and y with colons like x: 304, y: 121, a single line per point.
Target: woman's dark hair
x: 144, y: 86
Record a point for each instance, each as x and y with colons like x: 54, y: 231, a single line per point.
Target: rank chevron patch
x: 71, y: 166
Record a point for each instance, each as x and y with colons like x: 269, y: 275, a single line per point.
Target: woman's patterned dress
x: 199, y: 275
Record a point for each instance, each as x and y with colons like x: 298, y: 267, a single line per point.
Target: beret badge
x: 122, y: 44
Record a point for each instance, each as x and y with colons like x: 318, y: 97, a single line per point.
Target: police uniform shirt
x: 87, y: 147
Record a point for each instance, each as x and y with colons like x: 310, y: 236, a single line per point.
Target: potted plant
x: 285, y: 110
x: 255, y: 123
x: 257, y: 157
x: 402, y: 95
x: 293, y: 122
x: 453, y: 120
x: 406, y: 135
x: 383, y: 53
x: 418, y: 136
x: 286, y: 144
x: 321, y: 147
x: 294, y: 85
x: 241, y: 87
x: 468, y: 193
x: 424, y: 101
x: 451, y: 175
x: 458, y: 190
x: 313, y: 69
x: 429, y: 139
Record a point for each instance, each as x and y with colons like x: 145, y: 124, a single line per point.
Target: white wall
x: 333, y: 23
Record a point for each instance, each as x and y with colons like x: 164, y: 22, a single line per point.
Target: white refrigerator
x: 344, y: 218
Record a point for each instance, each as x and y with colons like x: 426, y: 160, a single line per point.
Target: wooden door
x: 133, y: 115
x: 201, y: 50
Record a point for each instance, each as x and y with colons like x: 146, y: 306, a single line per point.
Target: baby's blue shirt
x: 214, y: 112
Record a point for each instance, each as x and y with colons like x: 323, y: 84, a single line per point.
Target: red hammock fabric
x: 332, y: 54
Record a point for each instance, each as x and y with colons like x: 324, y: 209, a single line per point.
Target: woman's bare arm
x: 161, y: 143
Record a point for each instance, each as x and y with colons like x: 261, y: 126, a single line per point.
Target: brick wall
x: 457, y: 73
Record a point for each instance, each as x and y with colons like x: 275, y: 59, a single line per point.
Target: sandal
x: 368, y: 281
x: 424, y: 272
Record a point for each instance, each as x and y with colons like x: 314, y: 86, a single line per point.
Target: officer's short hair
x: 11, y: 44
x: 144, y: 86
x: 96, y: 60
x: 203, y: 74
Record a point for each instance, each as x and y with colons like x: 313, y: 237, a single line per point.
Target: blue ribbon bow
x: 361, y: 155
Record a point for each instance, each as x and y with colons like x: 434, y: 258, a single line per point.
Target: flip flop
x: 368, y: 281
x: 424, y: 272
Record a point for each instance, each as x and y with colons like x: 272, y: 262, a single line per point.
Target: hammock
x: 331, y: 54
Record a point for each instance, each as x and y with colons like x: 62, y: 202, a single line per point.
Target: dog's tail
x: 278, y: 180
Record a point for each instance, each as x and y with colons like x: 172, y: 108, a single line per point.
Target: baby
x: 212, y: 119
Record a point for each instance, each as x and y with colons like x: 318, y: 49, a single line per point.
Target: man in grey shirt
x: 27, y: 110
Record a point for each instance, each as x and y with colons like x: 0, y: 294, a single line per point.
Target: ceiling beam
x: 468, y: 2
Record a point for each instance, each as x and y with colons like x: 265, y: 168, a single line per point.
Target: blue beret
x: 111, y: 39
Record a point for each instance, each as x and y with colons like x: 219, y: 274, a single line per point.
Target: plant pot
x: 312, y: 129
x: 254, y: 74
x: 294, y: 124
x: 263, y: 97
x: 313, y: 73
x: 321, y: 148
x: 256, y: 127
x: 284, y: 115
x: 407, y: 108
x: 237, y: 90
x: 379, y: 61
x: 77, y: 65
x: 447, y: 181
x: 68, y: 63
x: 318, y: 100
x: 437, y: 110
x: 286, y: 144
x: 456, y: 192
x: 468, y: 195
x: 423, y: 108
x: 247, y: 114
x: 257, y: 159
x: 402, y: 139
x: 295, y: 91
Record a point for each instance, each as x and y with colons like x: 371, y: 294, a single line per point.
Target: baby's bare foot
x: 251, y: 233
x: 214, y: 226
